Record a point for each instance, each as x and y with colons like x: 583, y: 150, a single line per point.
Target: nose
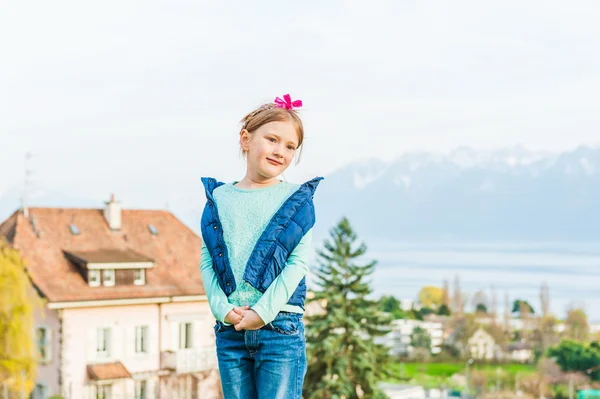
x: 278, y: 152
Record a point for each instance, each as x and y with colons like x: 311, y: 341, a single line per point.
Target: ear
x: 244, y: 140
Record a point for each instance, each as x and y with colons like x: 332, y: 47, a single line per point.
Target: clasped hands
x: 244, y: 318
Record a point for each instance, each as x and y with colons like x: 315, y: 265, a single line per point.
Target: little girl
x: 256, y: 245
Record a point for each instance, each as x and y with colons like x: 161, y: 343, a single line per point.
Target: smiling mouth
x: 274, y: 162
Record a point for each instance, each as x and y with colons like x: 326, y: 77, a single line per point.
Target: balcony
x: 190, y: 360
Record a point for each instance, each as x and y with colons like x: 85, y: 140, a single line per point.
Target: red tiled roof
x: 175, y: 251
x: 9, y: 228
x: 107, y: 371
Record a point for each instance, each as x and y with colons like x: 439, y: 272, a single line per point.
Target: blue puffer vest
x: 268, y: 258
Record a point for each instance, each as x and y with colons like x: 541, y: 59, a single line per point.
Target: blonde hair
x: 272, y: 113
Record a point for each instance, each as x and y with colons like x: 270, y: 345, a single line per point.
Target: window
x: 40, y: 392
x: 139, y: 277
x: 185, y: 335
x: 94, y: 278
x: 140, y: 389
x: 103, y: 391
x: 102, y: 342
x: 44, y: 343
x: 141, y: 339
x: 109, y: 277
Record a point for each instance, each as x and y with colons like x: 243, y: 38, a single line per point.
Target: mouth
x: 274, y: 162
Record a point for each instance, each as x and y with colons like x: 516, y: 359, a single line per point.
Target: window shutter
x: 146, y: 339
x: 182, y: 336
x: 189, y: 328
x: 49, y: 342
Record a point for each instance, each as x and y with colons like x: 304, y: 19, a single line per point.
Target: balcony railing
x: 190, y: 360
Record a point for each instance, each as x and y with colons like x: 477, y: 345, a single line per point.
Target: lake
x: 572, y: 271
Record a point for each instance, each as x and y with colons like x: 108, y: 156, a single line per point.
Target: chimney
x: 112, y: 213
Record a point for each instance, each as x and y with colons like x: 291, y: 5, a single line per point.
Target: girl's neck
x: 250, y: 182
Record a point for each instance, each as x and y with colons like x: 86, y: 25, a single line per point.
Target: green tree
x: 444, y: 310
x: 481, y: 308
x: 426, y: 311
x: 577, y: 356
x: 420, y: 338
x: 520, y: 306
x: 480, y: 301
x: 343, y: 360
x: 391, y: 305
x: 415, y: 315
x: 17, y: 299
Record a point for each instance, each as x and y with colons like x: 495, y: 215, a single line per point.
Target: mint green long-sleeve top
x: 244, y: 214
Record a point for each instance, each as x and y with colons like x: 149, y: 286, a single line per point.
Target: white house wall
x: 79, y: 342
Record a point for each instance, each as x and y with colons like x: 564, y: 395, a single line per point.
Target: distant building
x: 482, y: 346
x: 520, y: 352
x: 399, y: 338
x: 409, y: 304
x: 126, y: 314
x: 402, y: 391
x: 594, y: 328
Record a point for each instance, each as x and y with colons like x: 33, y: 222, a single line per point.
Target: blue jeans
x: 269, y: 363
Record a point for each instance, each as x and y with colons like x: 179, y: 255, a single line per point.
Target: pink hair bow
x: 287, y: 102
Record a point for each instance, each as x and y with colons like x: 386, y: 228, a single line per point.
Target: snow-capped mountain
x: 508, y: 194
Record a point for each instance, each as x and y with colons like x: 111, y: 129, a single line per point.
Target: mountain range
x: 509, y: 194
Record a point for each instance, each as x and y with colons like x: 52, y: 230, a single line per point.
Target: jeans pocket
x: 218, y: 327
x: 287, y: 323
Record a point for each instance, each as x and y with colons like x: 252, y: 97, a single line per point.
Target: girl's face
x: 270, y: 149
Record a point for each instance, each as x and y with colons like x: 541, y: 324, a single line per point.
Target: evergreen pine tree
x: 343, y: 359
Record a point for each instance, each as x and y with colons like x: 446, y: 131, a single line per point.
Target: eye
x: 291, y: 147
x: 271, y: 139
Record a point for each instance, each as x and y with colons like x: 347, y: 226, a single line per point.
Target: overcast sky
x: 130, y: 96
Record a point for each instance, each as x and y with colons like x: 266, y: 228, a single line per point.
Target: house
x: 482, y: 345
x: 399, y: 338
x: 520, y: 352
x: 403, y: 391
x: 125, y: 314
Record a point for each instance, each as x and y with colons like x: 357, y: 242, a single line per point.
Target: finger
x: 240, y: 325
x: 239, y: 311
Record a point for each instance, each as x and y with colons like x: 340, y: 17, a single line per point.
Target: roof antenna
x: 26, y: 185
